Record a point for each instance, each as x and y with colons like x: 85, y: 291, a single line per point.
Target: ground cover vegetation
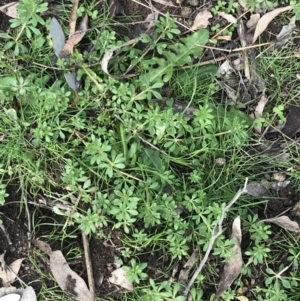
x: 135, y: 141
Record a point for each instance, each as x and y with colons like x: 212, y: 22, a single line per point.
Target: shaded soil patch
x: 35, y: 269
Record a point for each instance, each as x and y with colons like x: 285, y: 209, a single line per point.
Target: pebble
x: 193, y: 2
x: 186, y: 11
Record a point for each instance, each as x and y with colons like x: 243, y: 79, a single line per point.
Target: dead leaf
x: 229, y: 18
x: 66, y: 278
x: 284, y: 222
x: 58, y: 36
x: 201, y: 20
x: 253, y: 20
x: 9, y: 273
x: 43, y: 246
x: 184, y: 273
x: 165, y: 2
x: 107, y: 56
x: 266, y: 19
x: 2, y: 137
x: 257, y: 190
x: 150, y: 21
x: 119, y: 277
x: 243, y: 4
x: 75, y: 38
x: 232, y: 267
x: 225, y: 68
x: 10, y: 10
x: 11, y: 297
x: 292, y: 124
x: 287, y: 30
x: 259, y: 109
x: 239, y: 64
x: 284, y: 36
x: 23, y: 294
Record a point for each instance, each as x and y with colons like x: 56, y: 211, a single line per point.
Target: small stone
x: 186, y: 11
x: 193, y: 2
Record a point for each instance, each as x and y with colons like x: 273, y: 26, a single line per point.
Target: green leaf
x: 7, y: 82
x: 194, y: 41
x: 4, y: 35
x: 285, y: 283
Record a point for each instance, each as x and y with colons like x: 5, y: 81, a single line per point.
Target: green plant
x: 253, y: 4
x: 258, y: 253
x: 227, y: 7
x: 26, y: 24
x: 137, y: 154
x: 135, y: 271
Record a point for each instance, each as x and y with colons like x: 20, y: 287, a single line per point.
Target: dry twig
x: 217, y: 231
x: 88, y: 264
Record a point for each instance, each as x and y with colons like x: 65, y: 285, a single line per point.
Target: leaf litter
x: 119, y: 277
x: 8, y: 273
x: 67, y: 279
x: 10, y: 10
x: 265, y: 20
x: 284, y: 222
x: 201, y: 20
x: 233, y: 266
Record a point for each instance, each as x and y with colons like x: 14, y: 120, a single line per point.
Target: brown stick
x: 72, y: 23
x: 88, y: 264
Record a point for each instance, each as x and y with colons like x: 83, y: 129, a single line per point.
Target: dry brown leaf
x: 229, y: 18
x: 10, y: 10
x: 233, y: 267
x: 184, y: 273
x: 107, y: 56
x: 259, y: 110
x: 284, y: 222
x: 225, y: 68
x: 9, y: 273
x: 266, y: 19
x: 120, y: 278
x: 243, y: 4
x: 201, y: 20
x: 253, y: 20
x: 75, y: 38
x: 67, y: 279
x: 43, y: 246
